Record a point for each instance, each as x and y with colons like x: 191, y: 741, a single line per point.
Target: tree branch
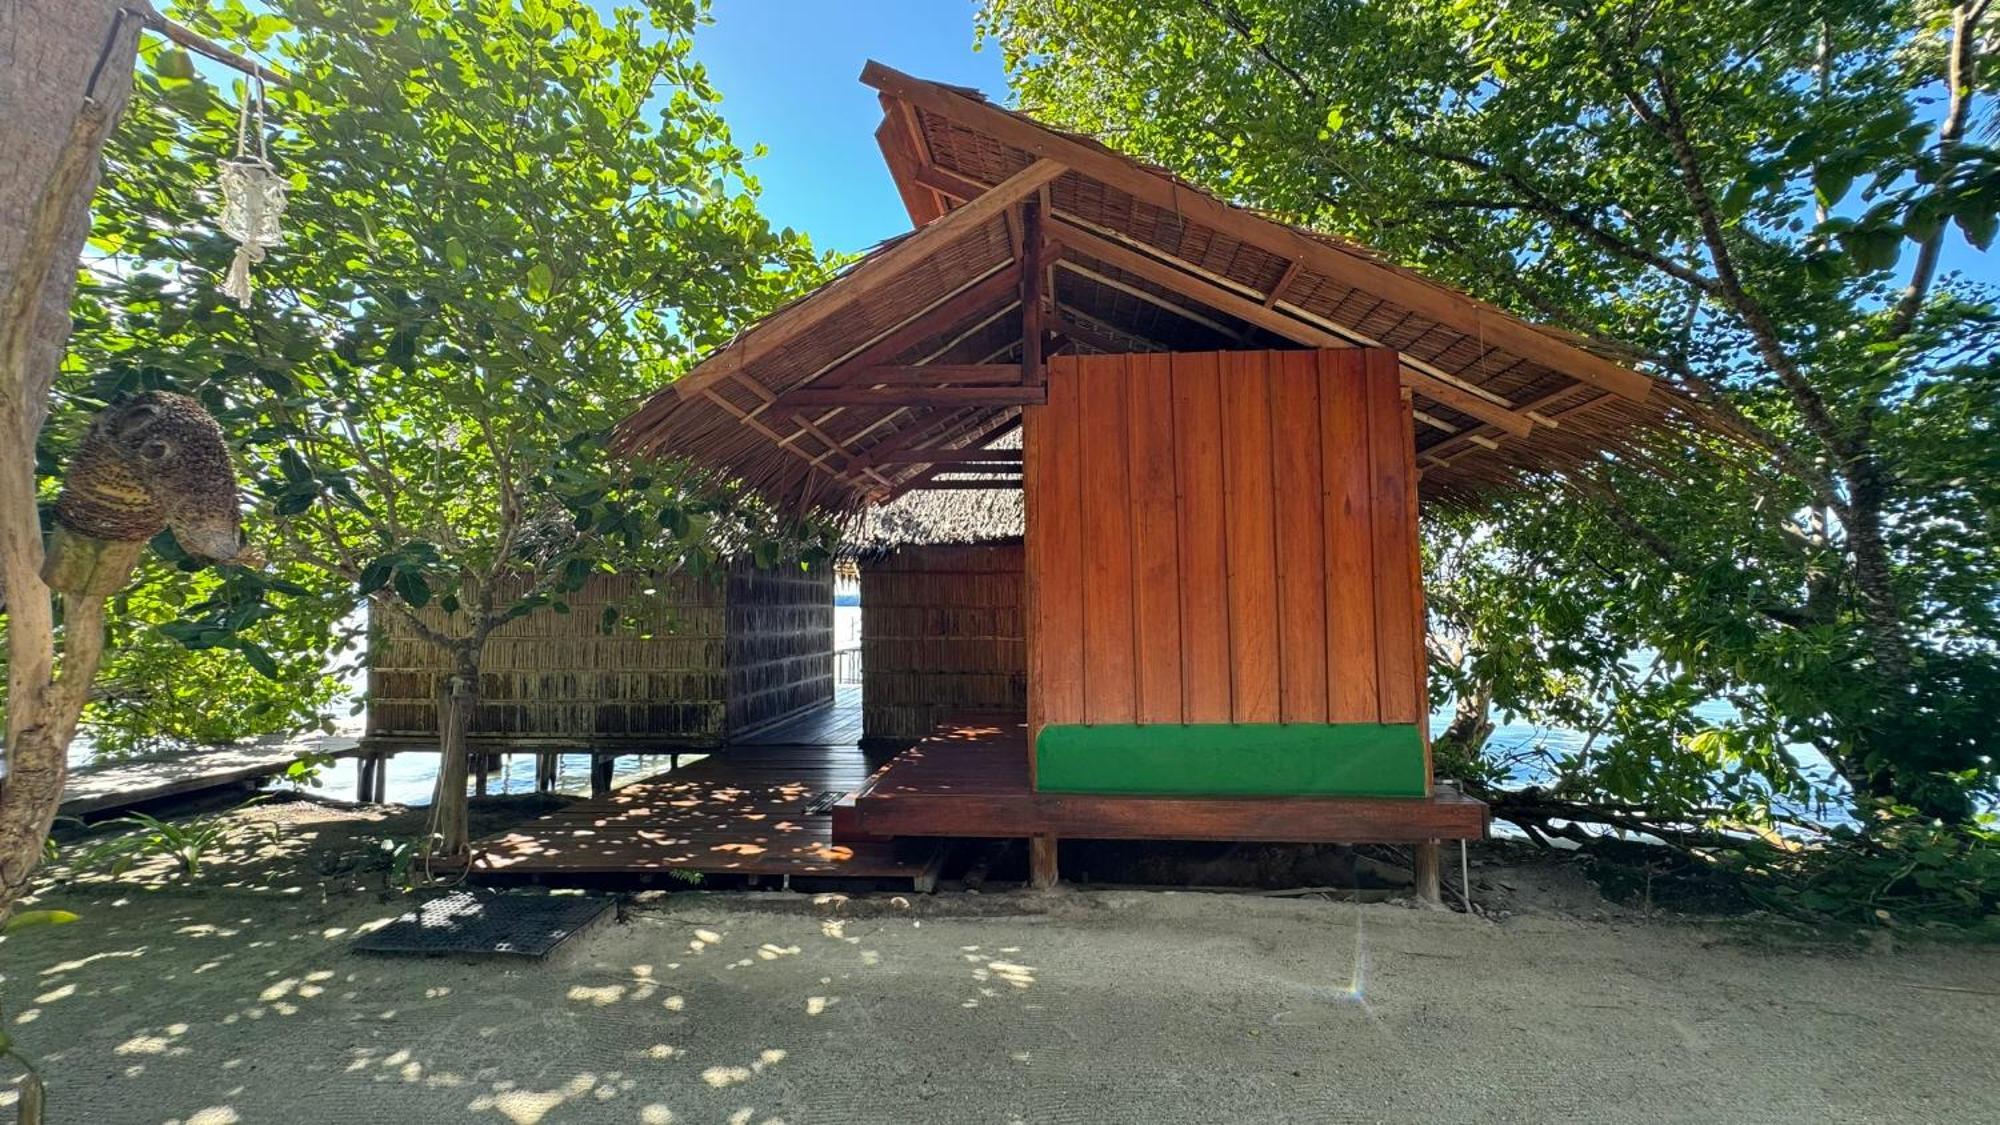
x: 1961, y: 73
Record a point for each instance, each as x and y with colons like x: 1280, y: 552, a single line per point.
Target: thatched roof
x: 833, y: 402
x: 936, y: 518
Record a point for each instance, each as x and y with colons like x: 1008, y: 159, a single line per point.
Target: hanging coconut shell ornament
x: 153, y: 461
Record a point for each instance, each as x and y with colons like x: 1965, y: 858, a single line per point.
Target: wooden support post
x: 365, y: 791
x: 1032, y: 246
x: 601, y: 769
x: 1424, y: 865
x: 480, y: 769
x: 673, y: 761
x: 382, y: 779
x: 545, y: 771
x: 1042, y: 873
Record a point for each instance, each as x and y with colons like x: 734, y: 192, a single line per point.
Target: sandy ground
x: 238, y: 1000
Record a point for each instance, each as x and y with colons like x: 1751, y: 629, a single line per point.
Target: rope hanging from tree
x: 253, y: 196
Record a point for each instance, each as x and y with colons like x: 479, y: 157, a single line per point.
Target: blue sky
x: 789, y: 74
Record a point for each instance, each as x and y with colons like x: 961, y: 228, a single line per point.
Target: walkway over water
x: 124, y: 784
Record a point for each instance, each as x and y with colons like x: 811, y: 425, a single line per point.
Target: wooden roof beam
x: 1452, y: 309
x: 1353, y: 336
x: 921, y: 202
x: 867, y: 276
x: 1150, y: 298
x: 1282, y: 324
x: 950, y: 184
x: 1008, y: 423
x: 1033, y: 254
x: 939, y: 317
x: 1009, y: 395
x: 934, y: 374
x: 945, y: 456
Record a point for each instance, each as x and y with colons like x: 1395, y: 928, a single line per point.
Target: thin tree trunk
x: 65, y: 74
x: 450, y: 822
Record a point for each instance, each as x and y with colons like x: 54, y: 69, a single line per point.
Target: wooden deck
x: 818, y: 811
x: 740, y: 812
x: 836, y: 724
x: 971, y: 779
x: 119, y: 785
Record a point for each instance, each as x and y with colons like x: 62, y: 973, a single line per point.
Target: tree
x: 508, y: 219
x: 57, y: 120
x: 1751, y: 199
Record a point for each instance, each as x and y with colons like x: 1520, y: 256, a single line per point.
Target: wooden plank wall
x: 1223, y: 537
x: 943, y: 630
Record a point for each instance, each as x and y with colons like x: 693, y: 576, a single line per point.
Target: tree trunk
x: 453, y: 838
x: 65, y: 74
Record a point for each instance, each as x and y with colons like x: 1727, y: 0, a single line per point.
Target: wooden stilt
x: 365, y: 791
x: 601, y: 767
x: 382, y: 779
x: 1042, y: 873
x: 479, y: 771
x: 545, y: 771
x: 1424, y: 865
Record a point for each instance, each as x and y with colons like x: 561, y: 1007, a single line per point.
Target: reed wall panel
x: 943, y: 630
x: 780, y: 642
x: 689, y: 662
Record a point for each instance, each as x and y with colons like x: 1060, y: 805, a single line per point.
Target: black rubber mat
x: 823, y: 802
x: 475, y: 923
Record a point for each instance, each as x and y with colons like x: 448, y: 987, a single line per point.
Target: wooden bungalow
x: 1220, y: 427
x: 689, y: 664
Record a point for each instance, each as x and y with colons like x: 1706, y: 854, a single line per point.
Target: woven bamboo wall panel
x: 779, y: 641
x: 658, y: 676
x: 942, y: 630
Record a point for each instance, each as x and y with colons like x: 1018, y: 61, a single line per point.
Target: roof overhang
x: 1032, y: 241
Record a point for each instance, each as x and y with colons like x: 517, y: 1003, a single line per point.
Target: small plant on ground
x: 186, y: 842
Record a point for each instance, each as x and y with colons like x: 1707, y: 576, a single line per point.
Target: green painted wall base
x: 1232, y: 759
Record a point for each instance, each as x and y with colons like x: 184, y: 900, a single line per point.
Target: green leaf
x: 411, y: 587
x: 1978, y: 226
x: 1831, y: 184
x: 259, y: 659
x: 27, y: 919
x: 541, y: 281
x: 454, y: 253
x: 174, y: 63
x: 374, y: 576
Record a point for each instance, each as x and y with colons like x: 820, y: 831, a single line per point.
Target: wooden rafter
x: 955, y: 186
x: 1284, y: 280
x: 941, y: 316
x: 1283, y: 324
x: 935, y: 374
x: 1012, y: 395
x: 867, y: 276
x: 979, y: 437
x: 945, y: 456
x: 1454, y: 310
x: 1154, y: 299
x: 1103, y: 337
